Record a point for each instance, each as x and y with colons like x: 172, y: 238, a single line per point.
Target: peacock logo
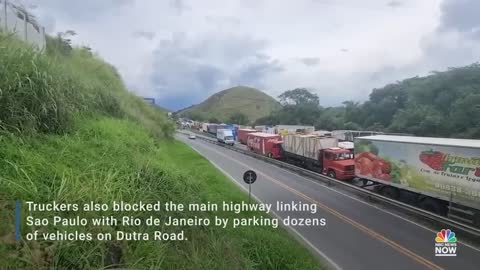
x: 445, y: 236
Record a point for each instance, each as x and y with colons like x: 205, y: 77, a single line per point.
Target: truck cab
x: 338, y: 163
x: 276, y: 151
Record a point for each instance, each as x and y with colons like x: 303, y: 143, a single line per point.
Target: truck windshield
x: 343, y: 156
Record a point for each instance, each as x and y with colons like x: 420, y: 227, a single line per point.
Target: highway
x: 357, y: 235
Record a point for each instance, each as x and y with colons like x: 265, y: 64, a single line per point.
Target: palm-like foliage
x: 24, y: 14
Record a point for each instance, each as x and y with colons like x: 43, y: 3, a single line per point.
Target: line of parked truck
x: 441, y: 175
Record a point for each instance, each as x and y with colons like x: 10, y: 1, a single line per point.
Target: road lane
x: 357, y: 235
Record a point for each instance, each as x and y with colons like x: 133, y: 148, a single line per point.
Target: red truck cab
x: 338, y: 163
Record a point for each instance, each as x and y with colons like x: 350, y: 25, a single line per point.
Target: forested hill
x: 240, y: 104
x: 444, y: 104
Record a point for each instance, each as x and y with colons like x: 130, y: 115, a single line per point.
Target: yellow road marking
x: 357, y: 225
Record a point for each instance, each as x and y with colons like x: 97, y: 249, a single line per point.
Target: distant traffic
x: 438, y: 175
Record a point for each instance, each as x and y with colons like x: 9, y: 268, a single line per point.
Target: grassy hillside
x: 48, y: 93
x: 112, y: 159
x: 71, y: 133
x: 241, y: 99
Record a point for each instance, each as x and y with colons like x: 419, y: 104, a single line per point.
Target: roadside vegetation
x: 443, y: 104
x: 70, y: 132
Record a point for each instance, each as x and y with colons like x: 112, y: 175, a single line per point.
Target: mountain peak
x: 238, y: 99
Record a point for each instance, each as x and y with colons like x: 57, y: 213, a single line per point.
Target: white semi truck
x: 440, y: 175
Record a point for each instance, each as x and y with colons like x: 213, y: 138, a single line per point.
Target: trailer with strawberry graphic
x: 442, y: 175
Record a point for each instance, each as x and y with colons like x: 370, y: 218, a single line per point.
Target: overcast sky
x: 182, y: 51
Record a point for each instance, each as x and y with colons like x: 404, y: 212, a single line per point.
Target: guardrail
x: 440, y: 221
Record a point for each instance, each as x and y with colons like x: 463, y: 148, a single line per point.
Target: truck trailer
x: 205, y: 127
x: 440, y: 175
x: 350, y: 135
x: 243, y: 134
x: 293, y: 129
x: 212, y: 129
x: 320, y: 154
x: 225, y: 136
x: 265, y: 144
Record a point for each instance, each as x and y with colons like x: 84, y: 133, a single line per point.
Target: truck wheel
x: 432, y: 205
x: 332, y: 174
x: 390, y: 192
x: 270, y: 155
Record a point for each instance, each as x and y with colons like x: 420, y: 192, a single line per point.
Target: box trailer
x: 261, y: 128
x: 265, y: 144
x: 320, y: 154
x: 350, y: 135
x: 440, y: 173
x: 293, y: 129
x: 243, y: 134
x: 212, y: 129
x: 205, y: 127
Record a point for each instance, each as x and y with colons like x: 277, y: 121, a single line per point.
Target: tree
x: 213, y: 120
x: 299, y: 97
x: 300, y: 107
x: 421, y: 120
x: 443, y: 104
x: 464, y: 118
x: 353, y: 112
x: 61, y: 44
x: 351, y: 126
x: 238, y: 118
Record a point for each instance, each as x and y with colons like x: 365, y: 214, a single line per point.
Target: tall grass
x: 71, y: 133
x: 48, y: 92
x: 107, y: 160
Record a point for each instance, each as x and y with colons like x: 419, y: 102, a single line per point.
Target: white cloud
x: 180, y: 51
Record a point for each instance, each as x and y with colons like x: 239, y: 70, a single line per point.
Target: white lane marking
x: 366, y: 203
x: 323, y: 255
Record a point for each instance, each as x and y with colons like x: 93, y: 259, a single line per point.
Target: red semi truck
x: 316, y: 153
x: 266, y: 144
x: 320, y: 154
x: 243, y: 134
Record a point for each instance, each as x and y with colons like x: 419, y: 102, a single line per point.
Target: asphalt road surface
x: 357, y: 235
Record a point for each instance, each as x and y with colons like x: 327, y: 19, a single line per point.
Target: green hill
x: 251, y: 102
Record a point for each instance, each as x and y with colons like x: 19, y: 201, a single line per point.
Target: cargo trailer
x: 205, y: 127
x: 212, y: 129
x: 320, y: 154
x: 440, y: 175
x: 265, y: 144
x: 243, y: 134
x: 294, y: 129
x: 350, y: 135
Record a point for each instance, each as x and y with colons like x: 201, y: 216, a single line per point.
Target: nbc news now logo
x: 445, y: 243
